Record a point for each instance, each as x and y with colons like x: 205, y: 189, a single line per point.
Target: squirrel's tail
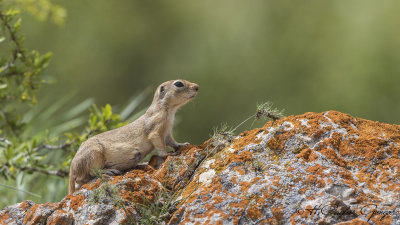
x: 71, y: 182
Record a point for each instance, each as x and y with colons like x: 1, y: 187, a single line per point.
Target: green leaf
x: 2, y: 39
x: 12, y: 12
x: 17, y: 25
x: 42, y: 61
x: 2, y: 86
x: 24, y: 95
x: 107, y: 112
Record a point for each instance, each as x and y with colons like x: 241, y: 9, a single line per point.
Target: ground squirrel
x: 123, y: 148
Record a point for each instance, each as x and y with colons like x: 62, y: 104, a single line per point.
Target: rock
x: 316, y: 168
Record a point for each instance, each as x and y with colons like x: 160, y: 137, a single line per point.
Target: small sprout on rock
x: 260, y: 149
x: 298, y: 149
x: 160, y: 209
x: 98, y: 173
x: 223, y: 132
x: 218, y: 169
x: 105, y: 190
x: 95, y: 196
x: 108, y: 192
x: 257, y: 165
x: 222, y: 135
x: 254, y: 165
x: 266, y: 110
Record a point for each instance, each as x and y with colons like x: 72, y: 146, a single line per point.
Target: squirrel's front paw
x: 180, y: 145
x: 172, y: 153
x: 183, y: 144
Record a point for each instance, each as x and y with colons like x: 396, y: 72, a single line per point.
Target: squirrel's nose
x: 196, y: 87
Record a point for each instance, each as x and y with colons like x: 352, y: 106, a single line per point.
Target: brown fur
x: 123, y: 148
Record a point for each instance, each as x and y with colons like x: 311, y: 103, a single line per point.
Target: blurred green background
x: 302, y: 55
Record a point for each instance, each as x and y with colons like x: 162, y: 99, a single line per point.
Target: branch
x: 5, y: 141
x: 63, y: 146
x: 18, y: 48
x: 60, y: 173
x: 13, y: 38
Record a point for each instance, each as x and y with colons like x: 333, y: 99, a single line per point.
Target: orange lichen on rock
x: 244, y: 186
x: 25, y: 205
x: 247, y: 137
x: 277, y: 214
x: 242, y: 157
x: 60, y: 217
x: 331, y: 154
x: 354, y: 222
x: 4, y: 218
x: 314, y: 180
x: 31, y: 214
x: 92, y: 185
x: 305, y: 154
x: 38, y: 214
x: 293, y: 218
x: 317, y: 169
x: 76, y: 201
x: 254, y: 213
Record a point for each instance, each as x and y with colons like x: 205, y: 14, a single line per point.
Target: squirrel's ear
x: 161, y: 92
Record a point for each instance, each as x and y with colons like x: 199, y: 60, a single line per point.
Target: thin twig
x: 244, y: 121
x: 13, y: 38
x: 60, y: 173
x: 63, y: 146
x: 17, y: 189
x: 16, y: 52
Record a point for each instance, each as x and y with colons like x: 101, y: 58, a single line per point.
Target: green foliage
x: 42, y: 10
x: 39, y: 139
x: 30, y: 155
x: 20, y: 74
x: 20, y: 78
x: 38, y: 152
x: 304, y: 56
x: 99, y: 121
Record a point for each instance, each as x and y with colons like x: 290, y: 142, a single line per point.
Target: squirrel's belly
x: 124, y: 156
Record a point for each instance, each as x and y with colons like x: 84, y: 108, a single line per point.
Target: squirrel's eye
x: 179, y: 84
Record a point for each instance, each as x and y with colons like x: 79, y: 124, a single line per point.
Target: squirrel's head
x: 175, y: 93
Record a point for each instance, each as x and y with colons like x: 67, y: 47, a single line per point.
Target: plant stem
x: 244, y: 121
x: 17, y: 189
